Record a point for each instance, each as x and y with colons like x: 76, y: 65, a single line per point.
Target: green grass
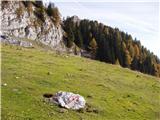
x: 117, y: 93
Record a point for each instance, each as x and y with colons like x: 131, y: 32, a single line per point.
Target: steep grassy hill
x: 116, y: 93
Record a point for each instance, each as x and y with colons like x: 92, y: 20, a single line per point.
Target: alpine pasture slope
x: 116, y: 93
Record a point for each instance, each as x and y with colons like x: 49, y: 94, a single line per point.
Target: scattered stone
x: 69, y: 75
x: 62, y: 110
x: 95, y: 110
x: 81, y: 118
x: 15, y: 90
x: 89, y: 96
x: 25, y: 44
x: 51, y: 114
x: 19, y: 48
x: 118, y: 99
x: 4, y: 84
x: 89, y: 108
x: 80, y: 69
x: 102, y: 85
x: 49, y: 73
x: 47, y: 95
x: 135, y: 103
x: 82, y: 110
x: 14, y: 41
x: 66, y: 56
x: 141, y: 97
x: 17, y: 77
x: 138, y: 76
x: 128, y: 95
x: 31, y: 56
x: 130, y: 109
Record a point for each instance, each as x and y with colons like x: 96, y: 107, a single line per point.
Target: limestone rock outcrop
x: 17, y: 21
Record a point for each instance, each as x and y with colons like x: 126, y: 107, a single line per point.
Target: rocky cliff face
x: 18, y: 21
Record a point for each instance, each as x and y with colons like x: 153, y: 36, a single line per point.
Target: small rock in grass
x: 69, y: 75
x: 130, y: 109
x: 80, y: 69
x: 135, y: 103
x: 51, y: 114
x: 49, y: 73
x: 66, y: 56
x: 138, y: 76
x: 118, y: 99
x: 89, y: 109
x: 141, y: 97
x: 95, y: 110
x: 128, y: 95
x: 17, y: 77
x: 89, y: 96
x: 4, y: 84
x: 133, y: 110
x: 15, y: 90
x: 18, y: 48
x: 81, y: 118
x: 62, y: 110
x: 82, y: 110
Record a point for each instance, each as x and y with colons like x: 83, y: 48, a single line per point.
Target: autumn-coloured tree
x: 117, y: 62
x: 127, y: 59
x: 54, y: 13
x: 93, y: 47
x: 136, y: 51
x: 93, y: 44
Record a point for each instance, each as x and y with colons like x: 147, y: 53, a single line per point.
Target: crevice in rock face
x: 26, y: 31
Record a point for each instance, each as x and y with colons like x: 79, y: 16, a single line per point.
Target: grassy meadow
x: 116, y: 93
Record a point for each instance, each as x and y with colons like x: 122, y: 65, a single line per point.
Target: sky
x: 140, y: 18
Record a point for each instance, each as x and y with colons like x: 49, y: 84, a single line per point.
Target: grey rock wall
x: 26, y: 25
